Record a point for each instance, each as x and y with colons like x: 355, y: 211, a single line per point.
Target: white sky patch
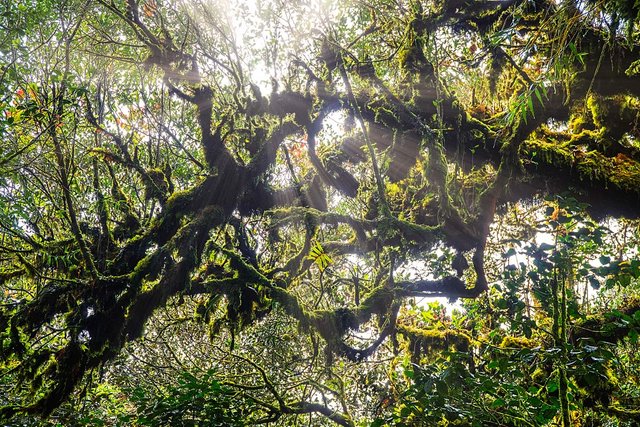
x: 266, y: 33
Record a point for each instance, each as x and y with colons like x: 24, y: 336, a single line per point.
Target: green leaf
x: 530, y: 106
x: 319, y: 257
x: 545, y: 247
x: 536, y: 91
x: 497, y: 403
x: 574, y: 50
x: 511, y: 252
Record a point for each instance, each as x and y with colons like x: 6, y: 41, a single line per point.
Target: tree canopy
x: 254, y: 199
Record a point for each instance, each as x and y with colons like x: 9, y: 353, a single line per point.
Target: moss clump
x: 517, y: 342
x: 411, y: 57
x: 586, y: 138
x: 411, y: 54
x: 619, y: 171
x: 605, y: 326
x: 580, y: 121
x: 549, y: 151
x: 149, y: 265
x: 615, y: 115
x: 539, y: 376
x: 179, y: 200
x: 597, y: 385
x: 157, y: 185
x: 333, y: 324
x: 377, y: 302
x: 423, y: 341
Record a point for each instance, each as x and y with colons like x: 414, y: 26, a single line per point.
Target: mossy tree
x: 268, y: 159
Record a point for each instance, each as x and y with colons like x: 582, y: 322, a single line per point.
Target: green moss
x: 578, y: 122
x: 625, y: 413
x: 10, y: 274
x: 592, y: 165
x: 407, y: 51
x: 404, y: 54
x: 411, y: 57
x: 422, y: 341
x: 539, y: 376
x: 246, y: 272
x: 156, y: 185
x: 149, y: 265
x: 597, y: 385
x: 176, y: 207
x: 423, y: 234
x: 620, y: 171
x: 516, y: 342
x: 376, y: 302
x: 615, y: 115
x: 605, y: 326
x: 179, y: 200
x: 549, y: 151
x: 333, y: 324
x: 596, y: 109
x: 585, y: 137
